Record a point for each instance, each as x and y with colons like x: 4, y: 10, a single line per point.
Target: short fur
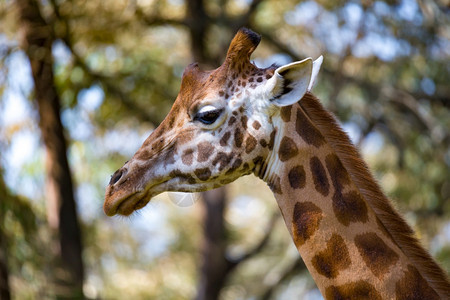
x: 369, y: 188
x: 243, y: 45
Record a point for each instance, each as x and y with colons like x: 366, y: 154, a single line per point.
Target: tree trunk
x: 4, y: 275
x: 5, y: 293
x: 198, y: 26
x: 61, y: 210
x: 214, y: 266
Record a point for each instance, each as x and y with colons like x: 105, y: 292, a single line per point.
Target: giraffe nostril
x: 116, y: 176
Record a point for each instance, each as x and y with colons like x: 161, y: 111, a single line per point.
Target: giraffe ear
x: 291, y: 82
x: 315, y: 71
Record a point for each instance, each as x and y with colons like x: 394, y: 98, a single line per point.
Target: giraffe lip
x: 137, y: 200
x: 133, y: 202
x: 120, y: 206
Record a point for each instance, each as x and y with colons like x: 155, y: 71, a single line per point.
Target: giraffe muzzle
x: 125, y: 194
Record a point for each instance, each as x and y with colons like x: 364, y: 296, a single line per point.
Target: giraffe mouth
x: 132, y: 203
x: 127, y: 205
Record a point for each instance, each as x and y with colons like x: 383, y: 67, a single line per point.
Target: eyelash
x: 208, y: 117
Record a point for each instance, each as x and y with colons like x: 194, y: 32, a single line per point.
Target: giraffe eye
x: 208, y: 114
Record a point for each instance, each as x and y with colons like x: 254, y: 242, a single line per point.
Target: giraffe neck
x: 342, y: 241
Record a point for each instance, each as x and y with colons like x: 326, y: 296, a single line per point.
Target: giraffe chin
x: 127, y: 206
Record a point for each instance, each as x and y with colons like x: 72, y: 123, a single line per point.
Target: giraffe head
x: 221, y: 127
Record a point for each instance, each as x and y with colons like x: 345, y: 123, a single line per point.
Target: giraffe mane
x: 400, y: 231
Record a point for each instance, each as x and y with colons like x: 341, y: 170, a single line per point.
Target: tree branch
x: 233, y: 262
x: 295, y: 268
x: 111, y: 85
x: 409, y: 102
x: 158, y: 20
x: 109, y: 82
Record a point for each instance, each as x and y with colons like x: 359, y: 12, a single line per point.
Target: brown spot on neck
x: 285, y: 113
x: 333, y: 259
x: 353, y: 291
x: 272, y: 138
x: 319, y: 176
x: 350, y: 207
x: 305, y: 221
x: 297, y: 177
x: 338, y: 174
x: 375, y: 253
x: 307, y: 131
x: 288, y: 149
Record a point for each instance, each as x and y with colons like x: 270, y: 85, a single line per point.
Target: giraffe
x: 239, y: 119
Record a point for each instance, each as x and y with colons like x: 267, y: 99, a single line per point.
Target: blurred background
x: 83, y: 83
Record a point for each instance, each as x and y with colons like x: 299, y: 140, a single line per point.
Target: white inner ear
x: 290, y: 82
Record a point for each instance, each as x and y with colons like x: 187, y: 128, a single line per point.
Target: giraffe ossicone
x: 239, y: 119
